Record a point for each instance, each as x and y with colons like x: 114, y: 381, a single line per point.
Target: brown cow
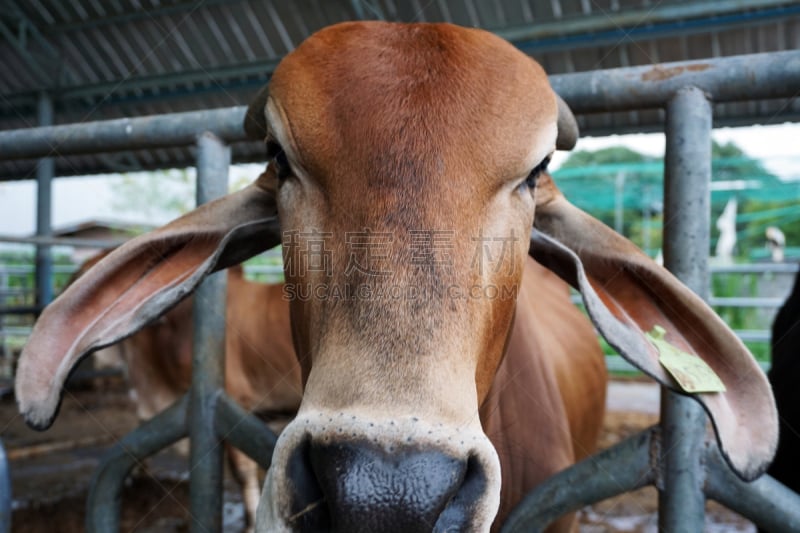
x: 261, y: 370
x: 406, y: 164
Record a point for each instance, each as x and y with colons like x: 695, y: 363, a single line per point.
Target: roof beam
x: 47, y: 64
x: 586, y: 31
x: 365, y: 10
x: 214, y: 76
x: 144, y: 14
x: 635, y: 25
x: 631, y: 18
x: 16, y: 12
x: 19, y: 43
x: 197, y: 81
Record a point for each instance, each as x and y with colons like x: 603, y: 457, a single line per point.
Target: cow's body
x: 545, y: 409
x: 261, y: 372
x: 784, y: 377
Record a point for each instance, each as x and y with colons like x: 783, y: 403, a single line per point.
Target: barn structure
x: 86, y: 61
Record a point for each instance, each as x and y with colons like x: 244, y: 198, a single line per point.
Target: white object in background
x: 776, y: 242
x: 726, y: 224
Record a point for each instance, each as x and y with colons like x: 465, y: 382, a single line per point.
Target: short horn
x: 255, y: 121
x: 567, y: 126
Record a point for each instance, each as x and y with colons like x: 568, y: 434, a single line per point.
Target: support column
x: 5, y: 492
x: 44, y: 208
x: 687, y: 195
x: 208, y: 358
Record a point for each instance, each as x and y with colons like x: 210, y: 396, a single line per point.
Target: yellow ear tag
x: 692, y: 373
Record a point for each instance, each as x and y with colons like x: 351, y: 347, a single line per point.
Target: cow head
x: 397, y: 185
x: 403, y: 166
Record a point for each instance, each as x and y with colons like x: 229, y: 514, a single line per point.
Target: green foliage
x: 155, y: 195
x: 606, y: 156
x: 619, y: 184
x: 736, y: 285
x: 273, y: 259
x: 24, y: 260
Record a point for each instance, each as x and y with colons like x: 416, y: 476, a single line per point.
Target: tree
x: 155, y: 196
x: 163, y: 195
x: 592, y: 179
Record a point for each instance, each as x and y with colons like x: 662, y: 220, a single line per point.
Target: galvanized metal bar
x: 21, y: 310
x: 156, y: 131
x: 27, y: 269
x: 687, y: 220
x: 62, y: 241
x: 687, y: 189
x: 743, y: 301
x: 769, y: 504
x: 45, y: 170
x: 757, y: 268
x: 244, y: 431
x: 105, y: 492
x: 624, y: 467
x: 753, y: 335
x: 746, y: 77
x: 5, y: 492
x: 208, y: 358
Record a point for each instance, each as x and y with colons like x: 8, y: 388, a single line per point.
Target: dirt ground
x: 51, y: 472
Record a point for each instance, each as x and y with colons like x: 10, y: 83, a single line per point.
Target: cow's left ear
x: 628, y: 297
x: 136, y: 283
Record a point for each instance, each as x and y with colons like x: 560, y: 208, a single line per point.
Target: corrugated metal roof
x: 101, y: 60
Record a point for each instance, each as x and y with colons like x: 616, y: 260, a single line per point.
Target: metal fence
x: 674, y: 455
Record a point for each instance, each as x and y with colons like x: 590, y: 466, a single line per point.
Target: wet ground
x: 51, y: 470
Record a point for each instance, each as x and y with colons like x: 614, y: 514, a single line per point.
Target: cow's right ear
x: 136, y: 283
x: 646, y: 314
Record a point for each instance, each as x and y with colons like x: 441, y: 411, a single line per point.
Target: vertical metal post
x: 208, y: 359
x: 687, y: 194
x: 44, y: 183
x: 5, y: 492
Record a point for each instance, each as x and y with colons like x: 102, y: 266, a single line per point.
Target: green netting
x: 597, y: 187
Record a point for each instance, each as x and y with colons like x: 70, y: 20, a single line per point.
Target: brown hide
x: 546, y: 405
x: 261, y: 371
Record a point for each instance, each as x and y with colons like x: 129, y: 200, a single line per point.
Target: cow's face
x: 405, y: 161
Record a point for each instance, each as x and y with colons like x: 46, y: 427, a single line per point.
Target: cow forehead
x: 376, y: 95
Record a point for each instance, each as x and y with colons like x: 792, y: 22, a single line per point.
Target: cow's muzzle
x: 406, y: 477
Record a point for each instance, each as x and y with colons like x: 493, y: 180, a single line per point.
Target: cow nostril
x: 461, y: 507
x: 368, y: 489
x: 308, y: 511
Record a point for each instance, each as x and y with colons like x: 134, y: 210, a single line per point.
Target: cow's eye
x: 530, y: 181
x: 277, y: 157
